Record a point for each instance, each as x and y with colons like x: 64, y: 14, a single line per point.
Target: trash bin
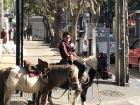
x: 1, y: 41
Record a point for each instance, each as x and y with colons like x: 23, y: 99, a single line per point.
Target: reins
x: 97, y: 84
x: 60, y: 96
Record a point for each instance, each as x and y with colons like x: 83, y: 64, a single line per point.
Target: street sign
x: 102, y: 39
x: 103, y: 42
x: 90, y: 30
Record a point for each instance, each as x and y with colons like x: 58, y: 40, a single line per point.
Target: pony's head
x: 42, y: 66
x: 102, y: 62
x: 102, y: 66
x: 28, y: 66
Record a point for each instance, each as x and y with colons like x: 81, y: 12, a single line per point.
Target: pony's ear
x: 46, y: 64
x: 25, y: 62
x: 40, y: 61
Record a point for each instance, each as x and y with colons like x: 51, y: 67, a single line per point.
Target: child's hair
x: 65, y: 34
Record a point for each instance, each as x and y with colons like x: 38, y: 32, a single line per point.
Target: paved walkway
x: 103, y: 93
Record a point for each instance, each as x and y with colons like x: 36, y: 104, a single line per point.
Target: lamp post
x: 122, y: 43
x: 19, y: 32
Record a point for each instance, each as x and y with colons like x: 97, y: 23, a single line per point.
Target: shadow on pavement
x: 104, y: 82
x: 18, y: 103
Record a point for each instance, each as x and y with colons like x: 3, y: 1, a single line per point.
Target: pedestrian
x: 29, y: 32
x: 68, y: 54
x: 15, y: 36
x: 4, y: 36
x: 25, y: 32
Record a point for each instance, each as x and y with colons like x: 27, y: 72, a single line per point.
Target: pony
x: 68, y: 75
x: 15, y: 78
x: 95, y: 65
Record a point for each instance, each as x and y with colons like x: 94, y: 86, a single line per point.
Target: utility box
x: 38, y: 28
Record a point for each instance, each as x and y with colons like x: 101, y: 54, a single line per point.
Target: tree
x: 53, y: 10
x: 75, y: 7
x: 8, y: 4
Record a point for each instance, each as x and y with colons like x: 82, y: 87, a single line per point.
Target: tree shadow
x: 18, y: 103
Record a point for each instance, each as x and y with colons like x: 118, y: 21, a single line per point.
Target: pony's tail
x: 3, y: 77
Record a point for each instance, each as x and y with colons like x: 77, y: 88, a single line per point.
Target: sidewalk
x: 103, y: 93
x: 33, y: 51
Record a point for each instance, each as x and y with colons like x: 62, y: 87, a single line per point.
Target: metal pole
x: 127, y: 42
x: 18, y: 31
x: 117, y: 36
x: 122, y: 43
x: 122, y: 54
x: 22, y: 24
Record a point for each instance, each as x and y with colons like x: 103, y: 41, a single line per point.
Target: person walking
x: 4, y: 36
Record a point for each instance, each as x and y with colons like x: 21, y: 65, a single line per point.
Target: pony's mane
x: 90, y: 61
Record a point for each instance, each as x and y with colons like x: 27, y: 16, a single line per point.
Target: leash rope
x: 98, y: 91
x: 69, y: 93
x: 59, y: 96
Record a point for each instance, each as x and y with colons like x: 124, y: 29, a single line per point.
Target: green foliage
x: 7, y: 4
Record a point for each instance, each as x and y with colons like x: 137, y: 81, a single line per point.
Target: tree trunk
x: 74, y: 27
x: 95, y: 12
x: 57, y: 29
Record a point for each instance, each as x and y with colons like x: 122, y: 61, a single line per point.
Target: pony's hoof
x: 83, y: 103
x: 30, y: 102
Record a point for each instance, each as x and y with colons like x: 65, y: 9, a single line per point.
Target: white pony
x: 16, y: 78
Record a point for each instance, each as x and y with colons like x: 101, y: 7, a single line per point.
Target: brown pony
x: 58, y: 75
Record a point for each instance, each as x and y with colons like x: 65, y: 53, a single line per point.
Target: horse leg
x: 50, y: 98
x: 76, y: 97
x: 43, y: 98
x: 84, y: 91
x: 37, y: 98
x: 7, y: 97
x: 83, y: 96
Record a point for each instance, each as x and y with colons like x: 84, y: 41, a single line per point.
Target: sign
x: 102, y: 38
x: 90, y: 30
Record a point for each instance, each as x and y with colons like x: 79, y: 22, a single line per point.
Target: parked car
x: 134, y: 54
